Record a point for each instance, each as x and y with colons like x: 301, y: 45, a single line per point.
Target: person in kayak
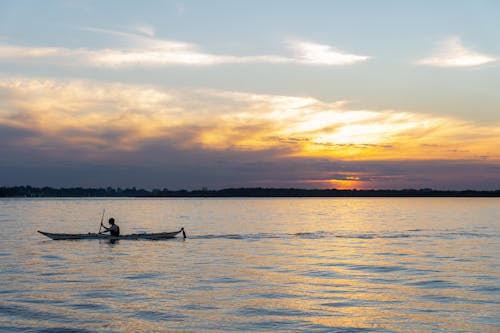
x: 114, y: 230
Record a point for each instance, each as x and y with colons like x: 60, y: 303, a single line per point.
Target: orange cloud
x: 115, y: 116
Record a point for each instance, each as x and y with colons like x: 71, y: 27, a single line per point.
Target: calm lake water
x: 253, y: 265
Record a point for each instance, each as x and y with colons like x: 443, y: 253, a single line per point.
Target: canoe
x: 153, y: 236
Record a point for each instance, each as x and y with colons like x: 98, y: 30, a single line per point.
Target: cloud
x: 451, y: 53
x: 319, y: 54
x: 238, y: 139
x: 160, y: 164
x: 146, y: 29
x: 116, y: 116
x: 144, y: 50
x: 9, y: 51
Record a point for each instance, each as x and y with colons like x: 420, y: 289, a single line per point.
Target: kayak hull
x: 152, y: 236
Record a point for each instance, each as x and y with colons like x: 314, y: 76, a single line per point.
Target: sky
x: 358, y: 94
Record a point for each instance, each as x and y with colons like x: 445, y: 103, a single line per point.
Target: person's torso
x: 114, y: 230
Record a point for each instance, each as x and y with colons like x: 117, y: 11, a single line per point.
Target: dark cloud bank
x: 161, y: 165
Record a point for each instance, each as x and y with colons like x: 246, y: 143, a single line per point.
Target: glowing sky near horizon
x: 191, y: 94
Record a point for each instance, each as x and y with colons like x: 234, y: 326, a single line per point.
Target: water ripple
x: 157, y: 316
x: 416, y: 233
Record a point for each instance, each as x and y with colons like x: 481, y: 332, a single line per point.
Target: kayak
x: 153, y: 236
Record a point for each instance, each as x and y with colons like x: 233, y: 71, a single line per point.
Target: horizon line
x: 28, y: 191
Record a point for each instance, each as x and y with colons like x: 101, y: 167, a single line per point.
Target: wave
x: 415, y: 233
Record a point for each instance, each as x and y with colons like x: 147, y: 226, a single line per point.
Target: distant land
x: 49, y: 192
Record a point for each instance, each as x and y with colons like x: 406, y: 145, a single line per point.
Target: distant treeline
x: 47, y: 192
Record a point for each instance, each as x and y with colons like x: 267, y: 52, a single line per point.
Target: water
x: 253, y: 265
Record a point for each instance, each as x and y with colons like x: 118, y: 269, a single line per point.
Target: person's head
x: 111, y: 221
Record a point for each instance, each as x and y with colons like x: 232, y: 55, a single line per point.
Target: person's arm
x: 107, y: 229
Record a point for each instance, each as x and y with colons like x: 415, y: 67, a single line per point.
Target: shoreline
x: 78, y: 192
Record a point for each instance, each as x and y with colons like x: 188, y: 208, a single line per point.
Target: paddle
x: 102, y: 219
